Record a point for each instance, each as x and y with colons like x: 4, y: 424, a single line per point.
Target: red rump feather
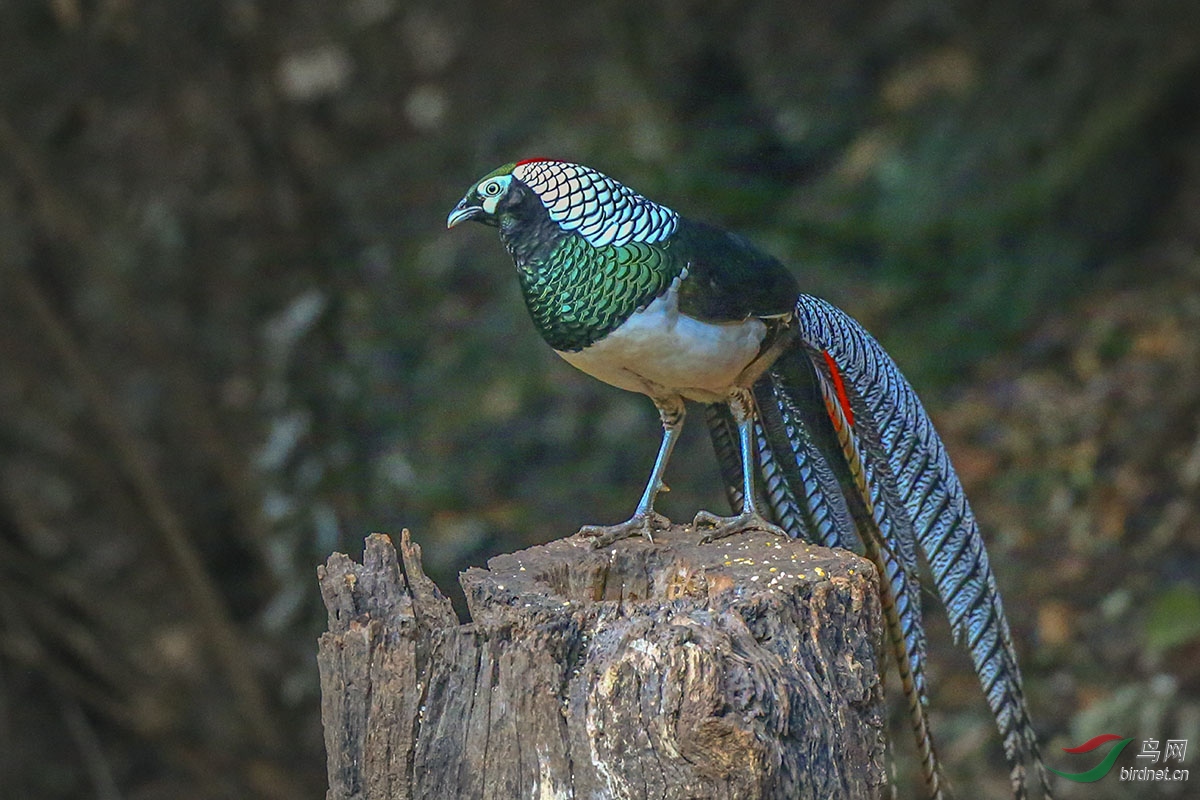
x: 532, y: 160
x: 839, y: 386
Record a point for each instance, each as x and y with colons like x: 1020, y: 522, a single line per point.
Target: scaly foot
x: 645, y: 524
x: 720, y: 527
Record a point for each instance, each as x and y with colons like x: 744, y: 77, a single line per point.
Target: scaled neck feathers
x: 601, y: 210
x: 589, y: 252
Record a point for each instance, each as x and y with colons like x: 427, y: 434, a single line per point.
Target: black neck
x: 529, y: 233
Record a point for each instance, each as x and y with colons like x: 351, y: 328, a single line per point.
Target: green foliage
x: 1173, y: 619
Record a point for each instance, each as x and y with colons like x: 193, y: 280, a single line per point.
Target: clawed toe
x: 644, y: 524
x: 720, y: 527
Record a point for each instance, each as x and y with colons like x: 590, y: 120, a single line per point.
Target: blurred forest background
x: 235, y: 336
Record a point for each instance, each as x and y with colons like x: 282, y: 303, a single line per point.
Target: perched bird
x: 817, y: 432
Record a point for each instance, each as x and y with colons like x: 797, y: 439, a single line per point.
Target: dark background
x: 235, y: 336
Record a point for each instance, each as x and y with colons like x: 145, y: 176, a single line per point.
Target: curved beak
x: 463, y: 211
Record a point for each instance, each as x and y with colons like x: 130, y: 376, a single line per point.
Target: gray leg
x: 741, y: 403
x: 645, y: 519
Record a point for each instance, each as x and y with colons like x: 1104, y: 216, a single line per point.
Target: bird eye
x: 491, y: 188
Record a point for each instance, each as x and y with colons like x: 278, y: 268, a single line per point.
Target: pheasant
x: 817, y: 432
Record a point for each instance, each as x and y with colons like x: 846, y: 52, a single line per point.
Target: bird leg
x: 741, y: 403
x: 645, y: 519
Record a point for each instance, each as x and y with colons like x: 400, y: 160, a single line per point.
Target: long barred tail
x: 908, y: 470
x: 845, y: 451
x: 811, y: 491
x: 808, y: 437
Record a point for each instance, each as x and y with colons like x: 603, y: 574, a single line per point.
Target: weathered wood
x: 746, y: 668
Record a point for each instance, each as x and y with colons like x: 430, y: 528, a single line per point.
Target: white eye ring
x: 490, y: 189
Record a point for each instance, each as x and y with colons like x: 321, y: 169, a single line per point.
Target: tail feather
x: 906, y: 460
x: 802, y: 433
x: 816, y: 487
x: 875, y: 481
x: 803, y: 490
x: 819, y: 423
x: 845, y: 447
x: 723, y: 432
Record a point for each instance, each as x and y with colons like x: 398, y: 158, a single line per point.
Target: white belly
x: 659, y: 348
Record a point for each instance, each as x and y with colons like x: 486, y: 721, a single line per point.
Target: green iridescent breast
x: 577, y: 294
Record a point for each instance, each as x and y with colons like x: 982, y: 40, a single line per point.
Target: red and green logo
x: 1100, y: 770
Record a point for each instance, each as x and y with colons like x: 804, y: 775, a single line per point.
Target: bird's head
x: 571, y: 197
x: 492, y: 196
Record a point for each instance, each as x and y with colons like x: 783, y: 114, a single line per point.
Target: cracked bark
x: 747, y: 668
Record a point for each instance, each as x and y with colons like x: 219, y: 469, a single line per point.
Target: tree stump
x: 746, y: 668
